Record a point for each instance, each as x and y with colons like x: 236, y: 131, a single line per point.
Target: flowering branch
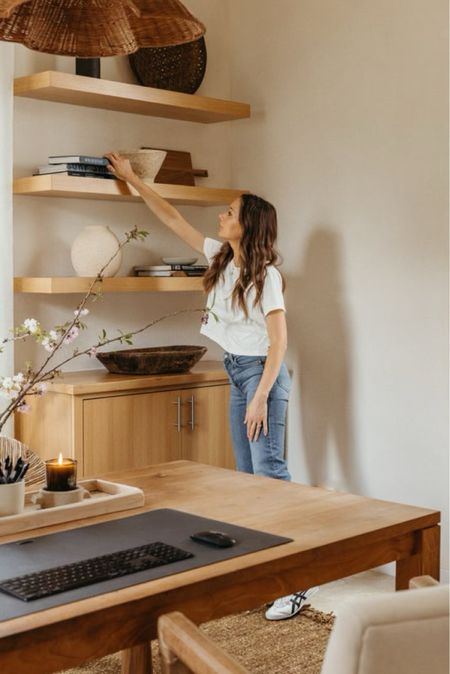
x: 18, y: 387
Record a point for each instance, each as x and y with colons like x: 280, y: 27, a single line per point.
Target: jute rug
x: 264, y: 647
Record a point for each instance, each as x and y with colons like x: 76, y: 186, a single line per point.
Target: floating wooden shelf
x: 98, y: 93
x: 121, y: 284
x: 55, y: 185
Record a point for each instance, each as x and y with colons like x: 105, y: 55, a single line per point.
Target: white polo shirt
x: 233, y: 331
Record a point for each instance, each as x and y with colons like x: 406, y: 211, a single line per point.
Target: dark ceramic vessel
x: 152, y: 360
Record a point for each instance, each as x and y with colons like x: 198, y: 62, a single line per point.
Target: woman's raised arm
x: 170, y: 216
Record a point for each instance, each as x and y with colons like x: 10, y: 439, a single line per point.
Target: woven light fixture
x: 92, y: 28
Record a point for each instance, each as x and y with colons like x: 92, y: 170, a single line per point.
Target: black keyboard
x: 88, y: 571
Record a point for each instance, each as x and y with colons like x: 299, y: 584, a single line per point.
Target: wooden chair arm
x: 422, y: 581
x: 184, y: 648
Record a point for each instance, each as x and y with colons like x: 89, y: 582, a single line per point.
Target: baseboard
x: 389, y: 570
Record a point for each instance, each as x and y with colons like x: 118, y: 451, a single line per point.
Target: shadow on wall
x: 318, y: 329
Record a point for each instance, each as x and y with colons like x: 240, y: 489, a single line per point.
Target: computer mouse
x: 217, y: 538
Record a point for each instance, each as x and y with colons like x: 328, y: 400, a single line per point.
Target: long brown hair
x: 257, y: 249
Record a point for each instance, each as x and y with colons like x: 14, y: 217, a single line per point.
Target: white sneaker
x: 290, y: 605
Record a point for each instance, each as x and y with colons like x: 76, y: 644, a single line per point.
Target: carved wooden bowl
x: 152, y: 360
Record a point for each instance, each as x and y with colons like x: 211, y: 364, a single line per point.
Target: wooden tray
x: 106, y: 497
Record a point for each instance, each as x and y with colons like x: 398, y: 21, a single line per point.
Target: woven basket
x: 145, y: 163
x: 180, y: 68
x: 90, y: 28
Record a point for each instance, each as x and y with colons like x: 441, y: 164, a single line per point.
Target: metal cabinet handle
x: 178, y: 421
x: 192, y: 404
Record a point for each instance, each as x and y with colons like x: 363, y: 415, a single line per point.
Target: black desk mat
x: 170, y: 526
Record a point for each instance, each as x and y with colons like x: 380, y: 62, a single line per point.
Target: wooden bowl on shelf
x: 152, y: 360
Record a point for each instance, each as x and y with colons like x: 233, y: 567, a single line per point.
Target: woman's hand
x: 120, y: 167
x: 256, y: 417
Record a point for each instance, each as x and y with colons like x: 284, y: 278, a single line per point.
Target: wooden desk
x: 335, y: 535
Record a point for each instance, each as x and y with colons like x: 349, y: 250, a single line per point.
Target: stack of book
x: 171, y: 270
x: 76, y: 165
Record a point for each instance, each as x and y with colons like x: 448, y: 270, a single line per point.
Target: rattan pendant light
x: 92, y: 28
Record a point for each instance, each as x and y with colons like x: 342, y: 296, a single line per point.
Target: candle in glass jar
x: 61, y: 474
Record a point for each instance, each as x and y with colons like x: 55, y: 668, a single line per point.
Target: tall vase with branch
x: 33, y: 381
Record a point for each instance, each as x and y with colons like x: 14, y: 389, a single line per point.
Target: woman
x: 246, y: 317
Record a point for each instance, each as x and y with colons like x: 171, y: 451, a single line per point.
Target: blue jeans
x: 265, y: 456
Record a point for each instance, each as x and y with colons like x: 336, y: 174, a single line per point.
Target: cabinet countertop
x: 101, y: 381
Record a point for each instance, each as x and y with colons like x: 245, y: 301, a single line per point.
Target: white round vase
x: 92, y: 249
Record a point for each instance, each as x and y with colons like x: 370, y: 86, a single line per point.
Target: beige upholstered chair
x: 396, y: 633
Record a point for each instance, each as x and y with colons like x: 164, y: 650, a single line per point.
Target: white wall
x: 46, y: 227
x: 349, y: 139
x: 6, y: 229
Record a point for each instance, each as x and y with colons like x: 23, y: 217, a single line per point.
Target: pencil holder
x: 12, y: 498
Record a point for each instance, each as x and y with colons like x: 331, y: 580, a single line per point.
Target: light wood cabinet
x: 115, y: 422
x: 205, y: 433
x: 129, y: 430
x: 143, y: 428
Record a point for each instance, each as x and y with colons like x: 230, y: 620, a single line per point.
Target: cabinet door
x: 206, y: 436
x: 130, y: 431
